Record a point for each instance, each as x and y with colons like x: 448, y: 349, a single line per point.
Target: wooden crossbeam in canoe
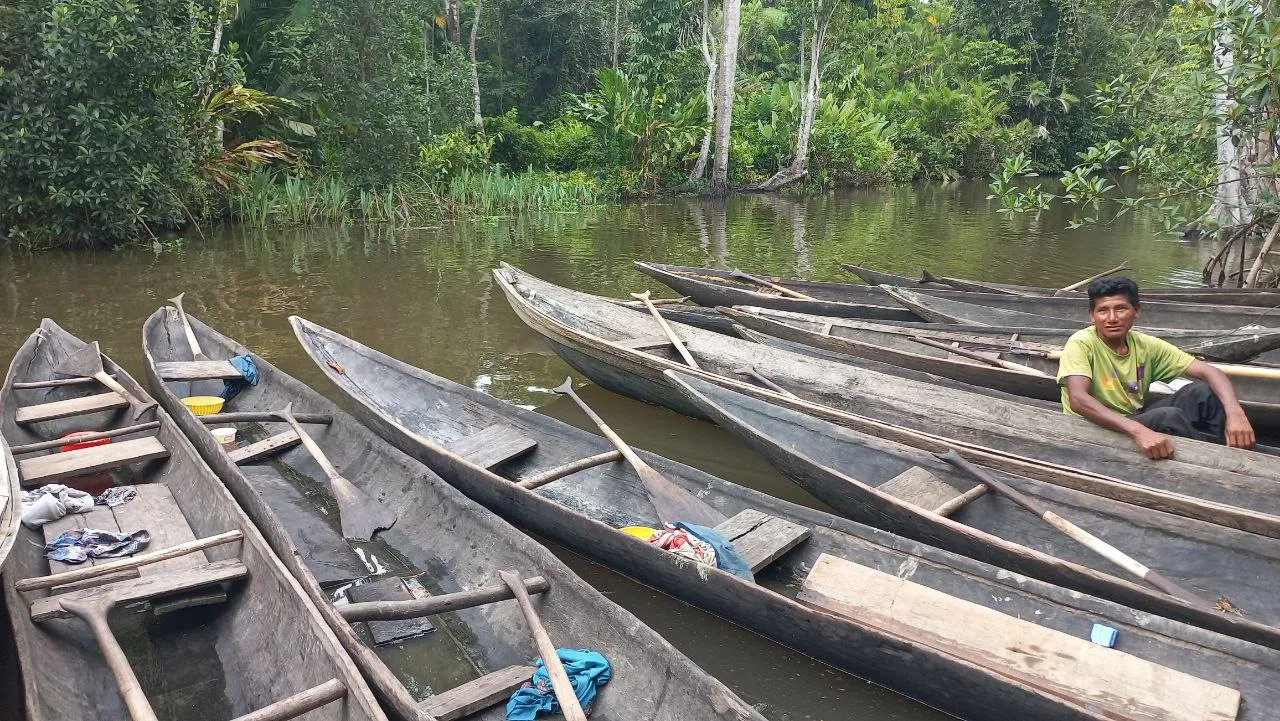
x: 51, y: 467
x: 477, y: 695
x: 265, y: 447
x: 761, y: 538
x: 145, y: 588
x: 646, y: 344
x: 70, y: 407
x: 919, y: 487
x: 198, y: 371
x: 493, y: 445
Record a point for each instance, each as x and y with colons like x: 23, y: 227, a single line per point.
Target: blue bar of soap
x: 1103, y: 635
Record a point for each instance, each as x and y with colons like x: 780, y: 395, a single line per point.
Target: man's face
x: 1113, y: 316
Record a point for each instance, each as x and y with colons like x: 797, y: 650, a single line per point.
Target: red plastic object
x: 82, y: 444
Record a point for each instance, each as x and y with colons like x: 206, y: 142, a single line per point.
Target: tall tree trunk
x: 708, y: 57
x: 216, y: 50
x: 617, y: 18
x: 475, y: 73
x: 452, y: 25
x: 799, y: 167
x: 724, y: 94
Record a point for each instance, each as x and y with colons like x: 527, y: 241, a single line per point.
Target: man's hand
x: 1239, y: 431
x: 1155, y: 445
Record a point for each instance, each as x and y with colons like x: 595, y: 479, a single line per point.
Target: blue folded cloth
x: 247, y: 368
x: 587, y: 670
x: 727, y: 557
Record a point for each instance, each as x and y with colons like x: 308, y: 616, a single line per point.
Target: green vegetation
x: 120, y: 120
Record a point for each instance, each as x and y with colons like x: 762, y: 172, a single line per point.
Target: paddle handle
x: 94, y: 612
x: 312, y: 447
x: 560, y: 683
x: 1231, y: 370
x: 606, y: 431
x: 671, y: 334
x: 196, y: 352
x: 1080, y: 283
x: 1088, y: 540
x: 780, y: 288
x: 998, y: 363
x: 752, y: 372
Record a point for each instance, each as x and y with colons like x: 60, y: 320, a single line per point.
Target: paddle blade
x: 361, y: 516
x: 674, y: 503
x: 641, y: 296
x: 85, y: 362
x: 564, y: 388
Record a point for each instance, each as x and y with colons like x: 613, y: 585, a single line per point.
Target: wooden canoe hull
x: 571, y: 511
x: 842, y: 468
x: 63, y: 672
x: 437, y: 534
x: 10, y: 501
x: 896, y: 348
x: 1258, y: 297
x: 709, y: 286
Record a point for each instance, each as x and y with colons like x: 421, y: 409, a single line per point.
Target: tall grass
x: 265, y: 198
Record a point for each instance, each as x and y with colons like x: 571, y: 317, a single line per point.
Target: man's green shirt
x: 1119, y: 381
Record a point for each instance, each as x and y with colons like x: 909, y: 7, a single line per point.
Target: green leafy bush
x: 99, y: 134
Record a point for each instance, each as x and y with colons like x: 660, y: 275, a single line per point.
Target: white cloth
x: 51, y: 502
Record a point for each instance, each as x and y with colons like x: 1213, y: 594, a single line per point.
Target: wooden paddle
x: 1090, y: 541
x: 1081, y: 283
x: 1231, y: 370
x: 196, y: 353
x: 88, y: 362
x: 672, y: 502
x: 751, y: 372
x: 671, y: 334
x: 768, y: 284
x: 361, y: 516
x: 560, y: 682
x: 94, y: 612
x: 998, y: 363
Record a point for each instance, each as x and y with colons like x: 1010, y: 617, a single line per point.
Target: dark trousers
x: 1192, y: 412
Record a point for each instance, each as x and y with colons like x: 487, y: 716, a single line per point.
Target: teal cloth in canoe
x: 586, y: 669
x: 727, y: 557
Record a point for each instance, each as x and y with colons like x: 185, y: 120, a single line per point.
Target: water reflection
x: 425, y: 296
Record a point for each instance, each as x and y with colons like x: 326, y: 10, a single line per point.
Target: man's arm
x: 1154, y: 445
x: 1239, y: 431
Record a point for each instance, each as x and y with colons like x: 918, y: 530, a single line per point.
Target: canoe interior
x: 448, y: 544
x: 209, y: 662
x: 427, y: 412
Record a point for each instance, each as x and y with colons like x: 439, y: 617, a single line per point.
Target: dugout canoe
x: 447, y: 542
x: 201, y: 652
x: 710, y: 286
x: 427, y: 416
x: 1259, y: 297
x: 622, y: 351
x: 894, y: 345
x: 10, y: 496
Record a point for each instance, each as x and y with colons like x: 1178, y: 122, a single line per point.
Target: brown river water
x: 424, y: 295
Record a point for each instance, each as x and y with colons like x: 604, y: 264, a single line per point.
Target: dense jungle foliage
x: 120, y: 120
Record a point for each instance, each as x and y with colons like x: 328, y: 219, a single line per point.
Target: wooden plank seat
x: 1107, y: 681
x: 53, y: 466
x: 70, y: 407
x: 473, y: 696
x: 646, y: 344
x: 197, y: 370
x: 144, y: 588
x: 921, y: 488
x: 493, y: 445
x: 265, y: 447
x: 761, y: 538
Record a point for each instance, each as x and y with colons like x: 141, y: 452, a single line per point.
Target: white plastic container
x: 225, y: 436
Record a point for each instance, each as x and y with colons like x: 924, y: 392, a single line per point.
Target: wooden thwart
x: 124, y: 564
x: 646, y: 344
x: 493, y: 445
x: 921, y: 488
x: 477, y: 695
x: 197, y: 371
x: 48, y: 468
x: 1107, y: 681
x: 78, y: 381
x: 582, y: 464
x: 55, y: 443
x: 417, y: 608
x: 761, y: 538
x: 299, y: 703
x: 265, y: 447
x: 145, y: 588
x: 70, y: 407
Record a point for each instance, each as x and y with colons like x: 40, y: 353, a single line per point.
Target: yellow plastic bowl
x: 203, y: 405
x: 644, y: 534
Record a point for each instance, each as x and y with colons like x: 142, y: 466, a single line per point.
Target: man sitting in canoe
x: 1106, y: 371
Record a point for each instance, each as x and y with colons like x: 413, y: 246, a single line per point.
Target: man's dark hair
x: 1113, y: 285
